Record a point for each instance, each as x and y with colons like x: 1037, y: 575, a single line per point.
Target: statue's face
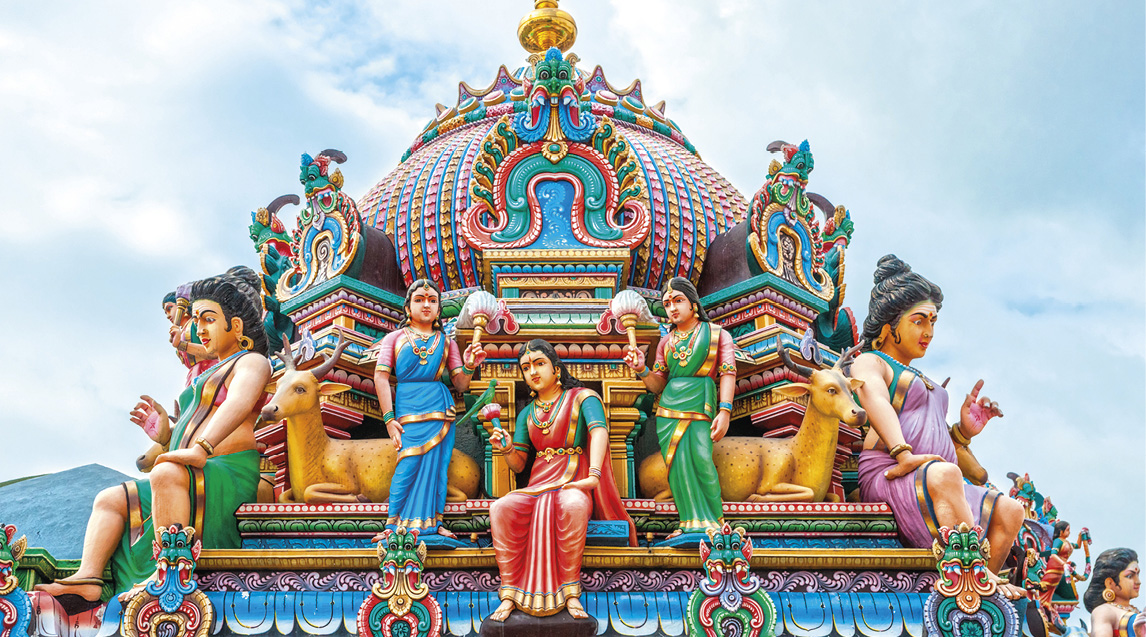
x: 213, y: 329
x: 915, y: 330
x: 678, y: 307
x: 1128, y: 582
x: 169, y: 311
x: 423, y: 307
x: 539, y: 373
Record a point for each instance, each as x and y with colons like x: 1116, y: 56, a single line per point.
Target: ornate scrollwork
x: 729, y: 601
x: 965, y: 592
x: 401, y: 597
x: 170, y: 604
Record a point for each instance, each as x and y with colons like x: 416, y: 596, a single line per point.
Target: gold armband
x: 899, y: 449
x: 208, y: 447
x: 958, y: 437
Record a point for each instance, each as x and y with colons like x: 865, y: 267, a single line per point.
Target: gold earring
x: 245, y: 342
x: 877, y: 343
x: 1107, y: 595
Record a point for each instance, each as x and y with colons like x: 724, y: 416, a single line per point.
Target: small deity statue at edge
x: 211, y: 458
x: 183, y: 337
x: 690, y: 361
x: 1115, y: 582
x: 908, y: 458
x: 419, y: 414
x: 539, y: 531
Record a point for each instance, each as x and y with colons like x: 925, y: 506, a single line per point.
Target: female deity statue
x: 183, y: 337
x: 211, y: 466
x: 419, y: 414
x: 1056, y: 580
x: 539, y: 531
x: 1116, y: 582
x: 690, y: 361
x: 908, y: 458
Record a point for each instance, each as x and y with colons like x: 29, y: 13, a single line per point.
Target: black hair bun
x: 888, y: 267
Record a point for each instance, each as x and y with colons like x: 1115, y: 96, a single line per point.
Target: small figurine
x: 419, y: 414
x: 1116, y: 582
x: 908, y: 458
x: 190, y: 351
x: 693, y: 412
x: 539, y: 531
x: 211, y: 467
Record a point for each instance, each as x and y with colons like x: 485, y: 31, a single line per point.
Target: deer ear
x: 330, y: 389
x: 792, y: 390
x: 271, y: 388
x: 854, y: 384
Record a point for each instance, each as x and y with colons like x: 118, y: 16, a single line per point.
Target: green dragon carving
x: 401, y: 603
x: 966, y: 600
x: 729, y: 601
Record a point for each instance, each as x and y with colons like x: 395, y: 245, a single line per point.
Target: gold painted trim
x: 906, y: 377
x: 429, y: 444
x: 595, y: 557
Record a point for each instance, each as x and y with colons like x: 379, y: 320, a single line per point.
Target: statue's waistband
x: 549, y: 454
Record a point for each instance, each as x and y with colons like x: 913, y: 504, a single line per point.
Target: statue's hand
x: 907, y: 462
x: 395, y: 430
x: 720, y: 425
x: 634, y: 358
x: 976, y: 411
x: 585, y: 484
x: 474, y: 356
x: 152, y: 418
x: 500, y: 439
x: 195, y: 456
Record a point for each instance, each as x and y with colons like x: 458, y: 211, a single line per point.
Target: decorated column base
x: 729, y: 601
x: 966, y: 601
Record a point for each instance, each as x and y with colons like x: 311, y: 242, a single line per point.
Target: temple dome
x: 420, y: 203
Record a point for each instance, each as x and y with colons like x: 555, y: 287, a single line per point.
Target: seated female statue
x: 1114, y: 583
x: 539, y: 531
x: 211, y: 466
x: 908, y: 458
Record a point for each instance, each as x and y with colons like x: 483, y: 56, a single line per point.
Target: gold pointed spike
x: 547, y: 26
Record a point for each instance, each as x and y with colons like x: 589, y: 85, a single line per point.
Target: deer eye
x: 300, y: 390
x: 832, y: 390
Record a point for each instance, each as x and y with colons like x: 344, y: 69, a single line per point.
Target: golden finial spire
x: 547, y: 26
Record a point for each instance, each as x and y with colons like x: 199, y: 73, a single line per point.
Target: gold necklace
x: 682, y: 355
x: 542, y: 422
x: 1125, y: 607
x: 423, y: 352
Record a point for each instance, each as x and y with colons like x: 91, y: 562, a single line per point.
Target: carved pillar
x: 624, y: 425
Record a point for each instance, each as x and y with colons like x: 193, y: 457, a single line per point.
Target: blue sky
x: 997, y: 147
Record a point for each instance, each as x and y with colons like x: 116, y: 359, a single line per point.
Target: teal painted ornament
x: 729, y: 601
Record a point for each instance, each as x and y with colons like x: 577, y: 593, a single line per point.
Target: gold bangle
x: 957, y: 435
x: 208, y: 447
x: 898, y: 449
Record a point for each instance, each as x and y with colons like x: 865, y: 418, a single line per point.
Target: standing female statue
x: 211, y: 466
x: 1116, y: 582
x: 539, y: 531
x: 419, y: 415
x: 693, y: 411
x: 908, y: 458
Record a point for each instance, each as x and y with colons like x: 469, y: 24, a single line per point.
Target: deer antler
x: 844, y: 364
x: 796, y: 367
x: 324, y: 369
x: 281, y: 201
x: 286, y: 356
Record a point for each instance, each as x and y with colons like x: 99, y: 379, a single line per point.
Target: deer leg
x: 454, y: 494
x: 287, y: 496
x: 663, y: 496
x: 783, y: 492
x: 324, y: 492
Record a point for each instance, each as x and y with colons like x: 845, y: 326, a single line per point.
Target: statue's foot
x: 573, y: 605
x: 501, y: 612
x: 442, y: 530
x: 75, y: 594
x: 674, y: 534
x: 1010, y: 591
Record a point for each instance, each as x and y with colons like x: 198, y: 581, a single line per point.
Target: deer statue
x: 795, y: 469
x: 323, y: 469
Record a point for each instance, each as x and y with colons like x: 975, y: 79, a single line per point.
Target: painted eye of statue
x: 832, y: 391
x: 300, y: 390
x: 563, y: 75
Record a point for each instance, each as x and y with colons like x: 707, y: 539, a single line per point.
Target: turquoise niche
x: 568, y: 200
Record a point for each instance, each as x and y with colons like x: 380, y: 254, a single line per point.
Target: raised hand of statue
x: 474, y: 356
x: 152, y: 418
x: 500, y: 439
x: 976, y: 411
x: 634, y: 358
x: 720, y: 425
x: 395, y: 430
x: 907, y: 462
x: 585, y: 484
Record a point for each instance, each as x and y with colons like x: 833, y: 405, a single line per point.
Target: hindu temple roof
x: 420, y: 202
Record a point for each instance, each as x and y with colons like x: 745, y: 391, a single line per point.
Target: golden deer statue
x: 795, y: 469
x: 322, y: 469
